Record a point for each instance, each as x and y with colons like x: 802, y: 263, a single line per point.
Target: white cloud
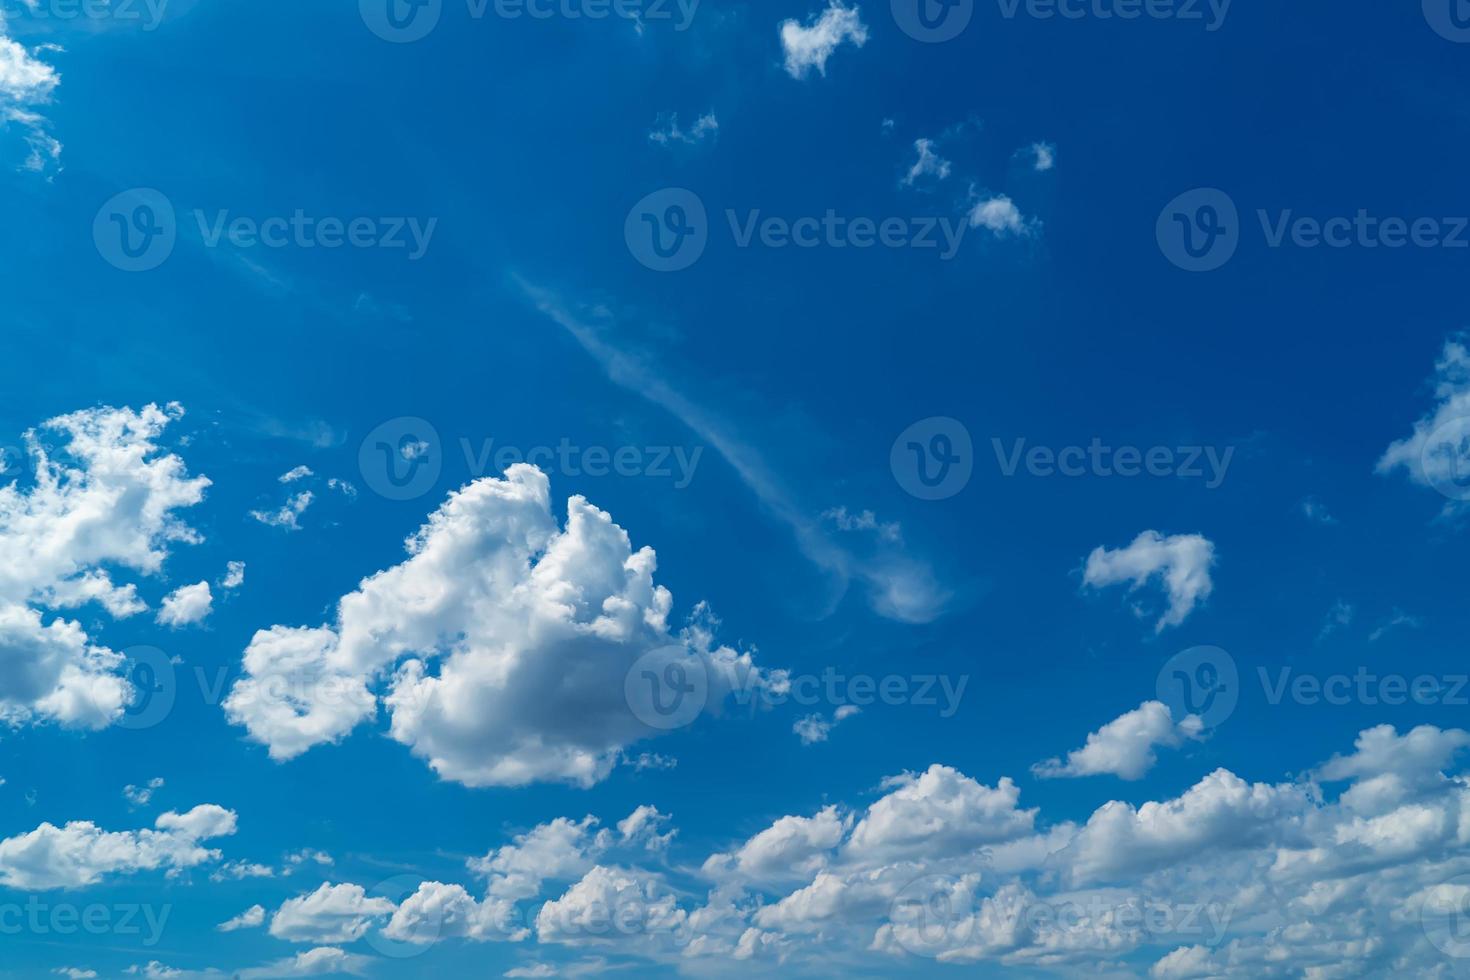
x: 792, y: 847
x: 1124, y: 747
x: 81, y: 853
x: 1257, y: 879
x: 438, y: 911
x: 1000, y: 215
x: 251, y: 918
x: 288, y: 514
x: 234, y: 575
x: 139, y: 796
x: 186, y: 605
x: 294, y: 474
x: 1437, y: 452
x: 667, y: 131
x: 74, y: 973
x: 511, y: 637
x: 929, y: 164
x: 1221, y: 812
x: 645, y: 827
x: 1043, y: 156
x: 108, y: 496
x: 331, y: 914
x: 937, y: 812
x: 1181, y: 563
x: 810, y: 46
x: 611, y: 905
x: 561, y: 849
x: 812, y: 729
x: 27, y: 83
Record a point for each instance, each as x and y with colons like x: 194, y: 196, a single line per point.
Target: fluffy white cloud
x: 1180, y: 562
x: 808, y: 47
x: 1230, y: 879
x: 1219, y: 813
x: 81, y: 853
x: 234, y: 575
x: 612, y: 905
x: 1437, y: 452
x: 1000, y: 215
x: 792, y: 847
x: 561, y: 850
x: 107, y: 497
x: 186, y: 605
x: 504, y: 642
x: 939, y: 811
x: 251, y: 918
x: 1125, y: 746
x: 439, y: 911
x: 331, y: 914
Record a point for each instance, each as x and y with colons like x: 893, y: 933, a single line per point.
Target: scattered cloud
x: 1179, y: 563
x: 807, y: 47
x: 186, y: 605
x: 1124, y: 747
x: 666, y: 131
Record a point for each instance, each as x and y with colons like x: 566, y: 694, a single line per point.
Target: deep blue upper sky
x: 528, y: 320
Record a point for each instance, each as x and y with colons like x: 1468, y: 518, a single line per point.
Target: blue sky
x: 562, y: 489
